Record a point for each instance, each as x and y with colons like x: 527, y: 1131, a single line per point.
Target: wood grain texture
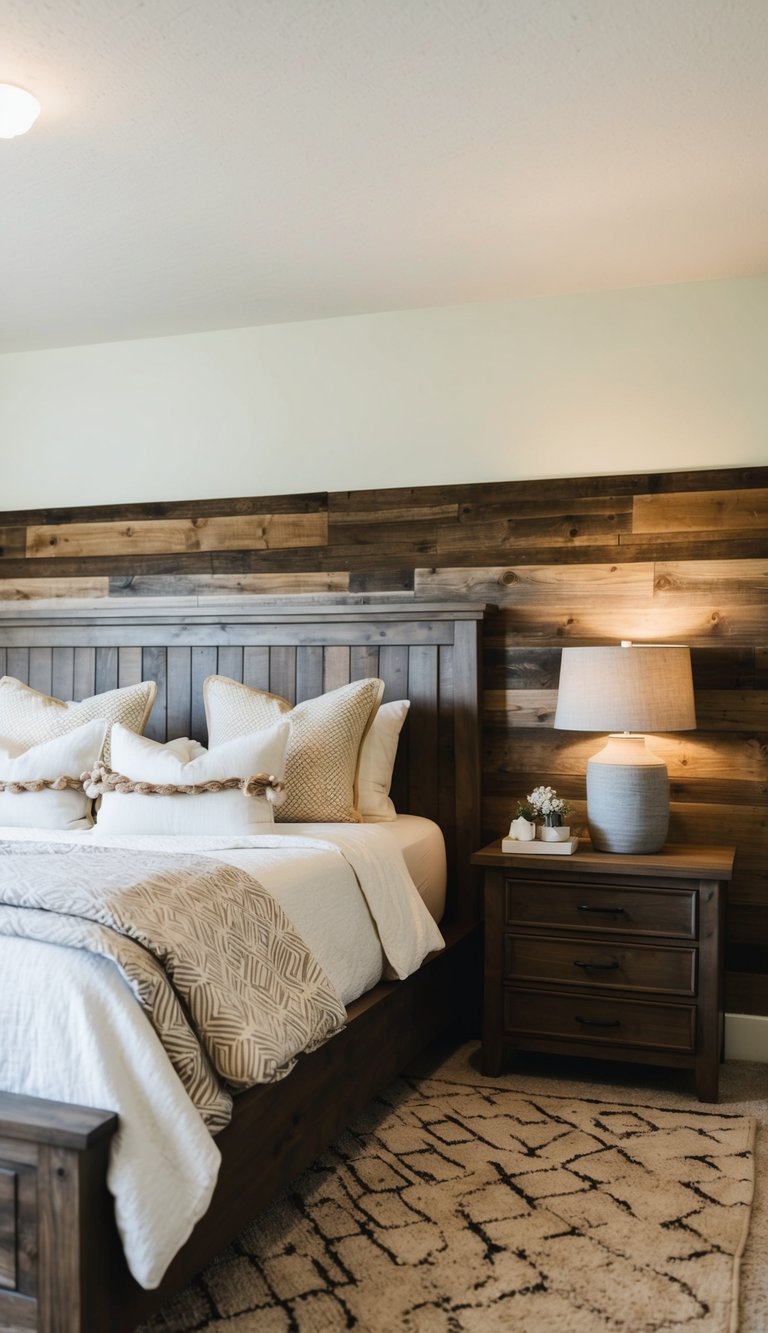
x: 160, y: 536
x: 705, y: 511
x: 679, y: 556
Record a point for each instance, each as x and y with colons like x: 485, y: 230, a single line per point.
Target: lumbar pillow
x: 181, y: 787
x: 323, y: 753
x: 40, y: 785
x: 377, y: 761
x: 29, y: 717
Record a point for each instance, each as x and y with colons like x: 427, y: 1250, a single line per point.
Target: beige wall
x: 646, y: 379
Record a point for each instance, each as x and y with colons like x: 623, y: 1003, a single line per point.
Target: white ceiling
x: 205, y: 164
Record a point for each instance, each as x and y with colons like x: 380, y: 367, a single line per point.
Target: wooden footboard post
x: 56, y: 1216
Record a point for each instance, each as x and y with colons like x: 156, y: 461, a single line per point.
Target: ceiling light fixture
x: 18, y: 110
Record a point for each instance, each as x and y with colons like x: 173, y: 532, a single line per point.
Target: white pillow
x: 185, y: 763
x: 377, y: 761
x: 67, y: 756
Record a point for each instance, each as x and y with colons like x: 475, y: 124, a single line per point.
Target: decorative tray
x: 535, y: 847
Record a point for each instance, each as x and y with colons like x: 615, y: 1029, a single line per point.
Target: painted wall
x: 652, y: 378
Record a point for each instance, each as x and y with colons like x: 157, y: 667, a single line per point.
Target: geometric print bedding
x: 232, y: 991
x: 448, y: 1208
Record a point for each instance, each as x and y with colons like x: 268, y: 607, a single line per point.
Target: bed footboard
x: 53, y: 1160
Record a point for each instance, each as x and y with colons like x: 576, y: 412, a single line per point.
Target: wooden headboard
x: 425, y: 652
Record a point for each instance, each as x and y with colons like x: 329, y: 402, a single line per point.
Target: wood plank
x: 509, y: 534
x: 12, y: 542
x: 41, y: 669
x: 715, y: 544
x: 363, y: 661
x: 63, y: 673
x: 746, y: 992
x: 217, y: 585
x: 423, y: 692
x: 690, y: 756
x: 179, y: 704
x: 107, y: 665
x: 154, y: 666
x: 393, y: 670
x: 716, y: 710
x: 282, y: 672
x: 204, y: 662
x: 256, y: 668
x: 230, y: 662
x: 533, y: 584
x: 309, y: 672
x: 732, y: 710
x: 387, y: 580
x: 519, y: 708
x: 302, y: 503
x: 26, y: 590
x: 129, y: 665
x: 702, y: 511
x: 8, y: 1181
x: 336, y: 667
x: 161, y: 536
x: 711, y: 582
x: 583, y: 625
x: 376, y: 515
x: 17, y: 663
x: 84, y: 684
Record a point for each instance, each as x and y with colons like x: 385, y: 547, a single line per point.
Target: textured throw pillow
x: 185, y: 763
x: 323, y: 747
x: 29, y: 717
x: 377, y: 761
x: 50, y: 762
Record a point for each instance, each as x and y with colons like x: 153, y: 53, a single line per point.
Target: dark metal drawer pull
x: 607, y: 911
x: 597, y: 967
x: 598, y: 1022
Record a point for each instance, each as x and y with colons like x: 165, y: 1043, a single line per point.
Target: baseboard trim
x: 746, y: 1037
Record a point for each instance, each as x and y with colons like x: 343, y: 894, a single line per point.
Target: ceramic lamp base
x: 627, y: 798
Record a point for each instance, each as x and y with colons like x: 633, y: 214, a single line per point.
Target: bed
x: 62, y: 1266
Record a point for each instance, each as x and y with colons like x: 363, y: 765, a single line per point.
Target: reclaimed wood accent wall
x: 664, y: 557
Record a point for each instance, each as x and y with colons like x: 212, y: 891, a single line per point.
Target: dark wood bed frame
x: 62, y: 1268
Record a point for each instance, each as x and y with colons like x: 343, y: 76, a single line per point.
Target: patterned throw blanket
x: 232, y: 991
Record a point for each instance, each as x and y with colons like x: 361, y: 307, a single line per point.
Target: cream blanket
x: 231, y: 989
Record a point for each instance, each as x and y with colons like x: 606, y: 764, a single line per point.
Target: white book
x: 536, y: 847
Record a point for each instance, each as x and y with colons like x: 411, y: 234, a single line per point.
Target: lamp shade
x: 627, y: 690
x: 640, y: 687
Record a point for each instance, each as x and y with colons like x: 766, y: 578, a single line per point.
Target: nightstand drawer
x: 601, y: 908
x: 600, y: 964
x: 603, y: 1021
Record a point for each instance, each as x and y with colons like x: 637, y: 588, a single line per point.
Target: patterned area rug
x: 449, y: 1207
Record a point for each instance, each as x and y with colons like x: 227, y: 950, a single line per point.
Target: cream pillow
x: 377, y: 762
x: 185, y: 763
x: 323, y: 753
x: 29, y: 717
x: 65, y: 757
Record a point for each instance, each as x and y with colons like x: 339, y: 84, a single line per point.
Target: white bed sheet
x: 422, y: 844
x: 83, y: 1038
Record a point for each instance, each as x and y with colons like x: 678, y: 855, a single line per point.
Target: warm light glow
x: 18, y: 111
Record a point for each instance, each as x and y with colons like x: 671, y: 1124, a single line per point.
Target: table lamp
x: 626, y: 690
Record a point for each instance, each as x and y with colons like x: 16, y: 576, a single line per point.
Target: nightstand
x: 607, y: 956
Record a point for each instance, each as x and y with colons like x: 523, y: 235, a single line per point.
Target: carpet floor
x: 458, y: 1203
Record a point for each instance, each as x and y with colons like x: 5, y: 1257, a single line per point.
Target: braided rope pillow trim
x: 102, y: 781
x: 42, y: 784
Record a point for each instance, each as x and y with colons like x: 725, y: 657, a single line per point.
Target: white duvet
x: 71, y: 1030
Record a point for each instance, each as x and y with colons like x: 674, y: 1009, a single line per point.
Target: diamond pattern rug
x: 448, y: 1207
